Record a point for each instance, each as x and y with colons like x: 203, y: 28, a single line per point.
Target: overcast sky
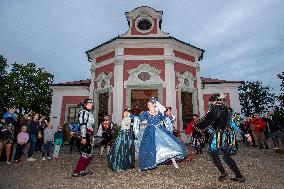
x: 243, y: 40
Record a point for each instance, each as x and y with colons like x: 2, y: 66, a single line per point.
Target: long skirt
x: 122, y: 153
x: 157, y: 146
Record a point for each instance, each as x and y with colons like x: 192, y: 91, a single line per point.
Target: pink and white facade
x: 141, y: 63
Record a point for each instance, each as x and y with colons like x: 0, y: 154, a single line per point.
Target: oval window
x: 144, y: 25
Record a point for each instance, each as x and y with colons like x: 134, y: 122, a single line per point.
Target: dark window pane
x: 144, y: 25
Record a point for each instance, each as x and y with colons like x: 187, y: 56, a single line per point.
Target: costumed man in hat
x: 86, y: 121
x: 220, y: 124
x: 105, y: 131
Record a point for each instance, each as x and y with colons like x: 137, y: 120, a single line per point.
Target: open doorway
x: 139, y: 99
x: 103, y: 106
x: 187, y: 108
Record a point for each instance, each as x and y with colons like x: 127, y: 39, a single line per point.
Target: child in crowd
x: 22, y: 139
x: 58, y: 140
x: 48, y: 139
x: 74, y: 142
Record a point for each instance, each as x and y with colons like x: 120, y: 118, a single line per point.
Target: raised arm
x: 203, y: 123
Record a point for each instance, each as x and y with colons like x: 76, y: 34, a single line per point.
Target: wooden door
x: 103, y: 106
x: 187, y: 108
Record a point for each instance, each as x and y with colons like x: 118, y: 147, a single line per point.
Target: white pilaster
x: 92, y: 85
x: 170, y: 84
x: 200, y: 93
x: 118, y: 91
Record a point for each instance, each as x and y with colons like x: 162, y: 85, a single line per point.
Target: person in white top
x: 122, y: 153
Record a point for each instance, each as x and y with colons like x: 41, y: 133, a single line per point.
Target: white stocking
x: 108, y: 149
x: 175, y: 163
x: 102, y: 150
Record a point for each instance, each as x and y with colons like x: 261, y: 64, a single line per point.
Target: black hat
x: 153, y: 100
x: 87, y: 100
x: 127, y: 109
x: 217, y: 97
x: 168, y: 108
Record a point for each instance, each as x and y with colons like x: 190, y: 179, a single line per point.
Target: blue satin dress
x: 157, y: 144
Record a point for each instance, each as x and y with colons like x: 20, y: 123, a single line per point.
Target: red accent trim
x: 144, y: 51
x: 69, y: 100
x: 206, y: 100
x: 184, y: 56
x: 105, y: 57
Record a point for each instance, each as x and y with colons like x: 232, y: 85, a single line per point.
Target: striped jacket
x: 86, y: 121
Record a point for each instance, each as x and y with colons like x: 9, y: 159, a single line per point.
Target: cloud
x: 243, y: 40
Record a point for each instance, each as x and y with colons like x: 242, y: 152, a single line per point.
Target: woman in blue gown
x: 157, y: 144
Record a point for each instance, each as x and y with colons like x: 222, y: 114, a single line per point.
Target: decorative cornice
x: 159, y: 40
x: 103, y: 81
x: 143, y: 10
x: 121, y: 59
x: 169, y: 61
x: 186, y: 81
x: 144, y: 74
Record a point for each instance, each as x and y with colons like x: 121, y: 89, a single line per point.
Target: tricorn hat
x: 87, y: 100
x: 218, y: 97
x: 127, y: 109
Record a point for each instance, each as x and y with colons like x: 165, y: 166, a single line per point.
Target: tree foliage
x: 255, y: 98
x: 3, y: 74
x: 27, y: 88
x: 279, y: 110
x: 281, y: 96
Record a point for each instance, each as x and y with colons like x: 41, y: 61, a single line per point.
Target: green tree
x: 255, y: 98
x: 28, y: 88
x: 281, y: 96
x: 3, y: 75
x: 279, y: 110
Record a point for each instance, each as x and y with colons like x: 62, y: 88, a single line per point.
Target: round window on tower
x: 144, y: 25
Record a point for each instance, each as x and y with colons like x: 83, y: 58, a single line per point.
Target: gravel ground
x: 261, y: 168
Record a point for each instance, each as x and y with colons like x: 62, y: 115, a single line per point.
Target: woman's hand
x: 83, y: 141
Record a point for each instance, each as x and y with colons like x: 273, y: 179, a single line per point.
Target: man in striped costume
x: 86, y: 121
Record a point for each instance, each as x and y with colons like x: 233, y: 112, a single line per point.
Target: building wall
x: 180, y: 68
x: 130, y: 64
x: 108, y: 88
x: 63, y: 95
x: 228, y: 88
x: 206, y: 100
